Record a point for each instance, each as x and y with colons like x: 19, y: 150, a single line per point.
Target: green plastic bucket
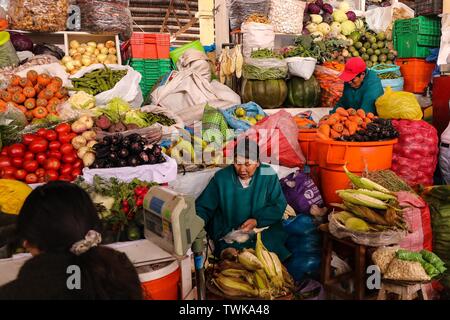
x: 177, y: 53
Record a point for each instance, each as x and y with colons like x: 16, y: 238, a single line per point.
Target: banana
x: 235, y: 287
x: 249, y: 261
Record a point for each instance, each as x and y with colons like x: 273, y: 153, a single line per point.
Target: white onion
x: 74, y: 44
x: 92, y: 44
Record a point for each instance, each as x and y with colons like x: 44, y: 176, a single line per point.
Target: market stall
x: 338, y: 110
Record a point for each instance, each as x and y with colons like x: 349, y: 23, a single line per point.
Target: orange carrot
x: 345, y: 132
x: 352, y: 128
x: 361, y: 113
x: 338, y: 127
x: 347, y: 123
x: 334, y: 134
x: 370, y: 115
x: 356, y: 119
x: 367, y: 120
x: 351, y: 111
x: 320, y: 135
x: 342, y: 112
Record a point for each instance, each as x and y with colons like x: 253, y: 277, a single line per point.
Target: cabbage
x: 359, y: 23
x: 313, y: 8
x: 347, y: 27
x: 21, y: 42
x: 116, y: 108
x: 339, y: 16
x: 351, y: 16
x: 324, y: 28
x: 135, y: 117
x: 327, y: 8
x: 312, y: 27
x: 344, y: 6
x: 328, y: 18
x: 336, y: 27
x: 316, y: 18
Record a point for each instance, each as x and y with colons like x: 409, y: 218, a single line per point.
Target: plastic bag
x: 160, y: 173
x: 257, y: 36
x: 38, y: 15
x: 415, y: 156
x: 196, y: 61
x: 301, y: 192
x: 331, y: 87
x: 398, y: 105
x: 302, y: 266
x: 301, y: 67
x: 417, y: 216
x: 310, y: 290
x: 127, y: 88
x: 372, y: 239
x: 251, y: 110
x: 379, y: 19
x: 99, y: 16
x: 277, y: 139
x: 282, y: 13
x: 444, y: 155
x: 239, y: 10
x: 167, y: 132
x: 213, y: 123
x: 265, y: 69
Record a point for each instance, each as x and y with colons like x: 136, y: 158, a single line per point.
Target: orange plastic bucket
x: 160, y: 284
x: 307, y: 140
x: 359, y: 156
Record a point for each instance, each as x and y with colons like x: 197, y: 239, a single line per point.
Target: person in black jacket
x: 60, y: 227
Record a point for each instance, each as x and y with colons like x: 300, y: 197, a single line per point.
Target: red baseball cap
x: 353, y: 67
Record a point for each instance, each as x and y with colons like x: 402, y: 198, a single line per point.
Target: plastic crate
x: 428, y: 7
x: 151, y: 71
x: 416, y: 73
x: 414, y: 37
x: 150, y: 45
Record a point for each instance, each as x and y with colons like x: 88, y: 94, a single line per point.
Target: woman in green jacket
x: 243, y: 196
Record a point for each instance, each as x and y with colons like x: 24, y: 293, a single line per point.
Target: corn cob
x: 373, y: 193
x: 235, y: 273
x: 235, y: 287
x: 250, y: 261
x: 252, y: 251
x: 265, y: 258
x: 278, y: 280
x: 343, y: 216
x: 261, y: 280
x: 229, y: 254
x: 227, y: 264
x: 362, y: 199
x: 364, y: 183
x: 366, y: 213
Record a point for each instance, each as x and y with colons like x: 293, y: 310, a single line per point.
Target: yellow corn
x: 249, y: 261
x: 235, y: 287
x: 362, y: 199
x: 364, y: 183
x: 373, y: 193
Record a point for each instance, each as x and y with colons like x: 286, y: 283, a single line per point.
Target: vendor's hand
x: 249, y: 225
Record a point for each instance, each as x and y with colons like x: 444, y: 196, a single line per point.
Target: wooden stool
x: 358, y: 275
x: 403, y: 291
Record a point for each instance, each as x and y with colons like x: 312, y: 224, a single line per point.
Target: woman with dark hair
x: 59, y: 226
x: 243, y: 196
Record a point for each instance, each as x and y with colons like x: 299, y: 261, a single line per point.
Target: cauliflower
x: 82, y: 100
x: 316, y: 18
x: 312, y: 27
x: 347, y: 27
x: 339, y: 16
x: 324, y: 28
x: 336, y: 27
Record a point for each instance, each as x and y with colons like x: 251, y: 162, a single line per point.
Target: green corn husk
x: 362, y: 200
x: 364, y: 183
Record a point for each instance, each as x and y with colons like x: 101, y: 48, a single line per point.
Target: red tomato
x: 16, y: 150
x: 51, y: 175
x: 66, y: 148
x: 31, y: 178
x: 78, y: 164
x: 51, y: 135
x: 31, y: 166
x: 17, y: 162
x: 54, y: 154
x: 42, y: 132
x: 41, y: 179
x: 52, y: 164
x: 76, y: 172
x: 28, y: 138
x: 63, y: 128
x: 65, y: 178
x: 40, y: 172
x: 7, y: 171
x: 5, y: 161
x: 68, y: 158
x: 28, y: 156
x: 20, y: 174
x: 66, y: 170
x: 67, y: 137
x: 8, y: 176
x: 4, y: 151
x: 38, y: 145
x: 54, y: 145
x: 41, y: 157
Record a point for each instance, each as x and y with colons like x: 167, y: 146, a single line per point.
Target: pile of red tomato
x: 46, y: 155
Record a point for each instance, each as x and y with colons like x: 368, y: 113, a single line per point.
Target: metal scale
x: 170, y: 222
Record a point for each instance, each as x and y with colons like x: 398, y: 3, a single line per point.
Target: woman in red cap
x: 362, y: 86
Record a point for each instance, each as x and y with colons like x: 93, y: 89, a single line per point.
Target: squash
x: 269, y: 94
x: 303, y: 93
x: 12, y: 195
